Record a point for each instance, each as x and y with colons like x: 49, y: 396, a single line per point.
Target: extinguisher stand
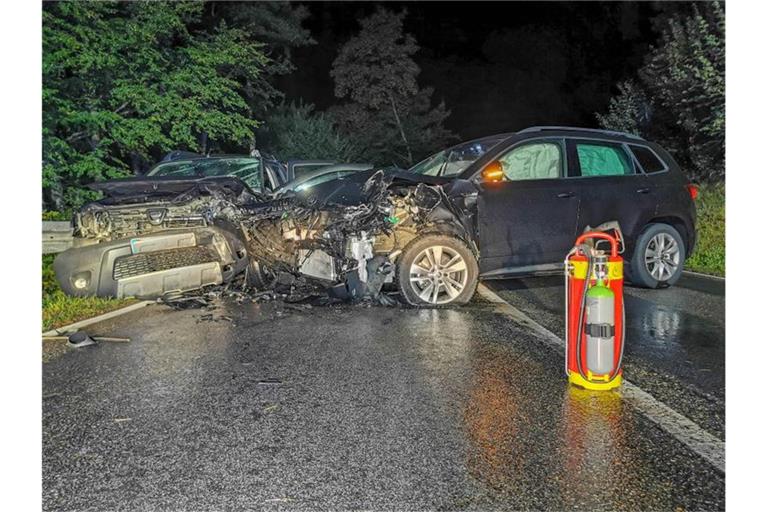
x: 594, y: 310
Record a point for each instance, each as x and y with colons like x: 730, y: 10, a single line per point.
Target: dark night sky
x: 499, y: 66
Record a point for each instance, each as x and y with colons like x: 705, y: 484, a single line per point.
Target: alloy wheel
x: 662, y: 256
x: 438, y: 274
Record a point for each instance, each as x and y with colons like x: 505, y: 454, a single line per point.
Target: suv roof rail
x: 576, y: 129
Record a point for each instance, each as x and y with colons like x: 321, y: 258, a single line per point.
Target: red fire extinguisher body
x: 577, y: 264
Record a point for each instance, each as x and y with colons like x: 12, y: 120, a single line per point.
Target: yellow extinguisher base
x: 577, y: 380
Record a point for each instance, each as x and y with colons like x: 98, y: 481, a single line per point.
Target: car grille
x: 126, y: 222
x: 144, y: 263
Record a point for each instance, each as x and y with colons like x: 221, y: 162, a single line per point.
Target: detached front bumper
x: 150, y: 266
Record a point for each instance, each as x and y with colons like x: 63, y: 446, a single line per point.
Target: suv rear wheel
x: 437, y: 270
x: 659, y: 257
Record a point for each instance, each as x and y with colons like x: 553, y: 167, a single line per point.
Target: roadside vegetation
x: 677, y: 99
x: 58, y: 308
x: 709, y: 255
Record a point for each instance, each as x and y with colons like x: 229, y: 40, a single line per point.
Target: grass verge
x: 60, y: 309
x: 709, y: 255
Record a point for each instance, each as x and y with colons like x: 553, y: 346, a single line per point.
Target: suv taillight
x: 693, y: 190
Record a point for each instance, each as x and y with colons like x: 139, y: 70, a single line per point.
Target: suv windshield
x: 247, y: 169
x: 452, y: 161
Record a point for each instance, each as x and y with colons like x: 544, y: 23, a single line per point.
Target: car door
x: 527, y: 220
x: 612, y: 186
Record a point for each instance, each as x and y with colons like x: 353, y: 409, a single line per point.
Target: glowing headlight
x: 81, y: 280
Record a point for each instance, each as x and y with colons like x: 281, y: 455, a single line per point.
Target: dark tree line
x: 678, y: 96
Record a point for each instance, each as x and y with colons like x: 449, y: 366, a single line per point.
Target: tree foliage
x: 298, y: 132
x: 278, y: 25
x: 629, y: 111
x: 124, y: 82
x: 387, y: 112
x: 679, y: 97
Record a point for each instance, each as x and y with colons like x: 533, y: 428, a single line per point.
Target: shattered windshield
x: 247, y: 169
x: 452, y: 161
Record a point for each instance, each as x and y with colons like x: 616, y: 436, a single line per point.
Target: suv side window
x: 648, y: 160
x: 597, y: 158
x: 532, y: 161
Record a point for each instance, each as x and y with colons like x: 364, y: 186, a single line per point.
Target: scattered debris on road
x: 80, y: 339
x: 55, y: 338
x: 296, y: 293
x: 269, y: 382
x: 110, y: 339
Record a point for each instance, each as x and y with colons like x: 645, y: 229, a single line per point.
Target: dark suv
x: 539, y: 188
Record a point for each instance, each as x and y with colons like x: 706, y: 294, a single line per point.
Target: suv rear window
x: 648, y: 160
x: 603, y: 159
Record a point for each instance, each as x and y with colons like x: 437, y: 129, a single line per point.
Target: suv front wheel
x: 659, y: 257
x: 437, y: 270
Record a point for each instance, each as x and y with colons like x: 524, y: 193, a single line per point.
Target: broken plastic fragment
x: 80, y: 339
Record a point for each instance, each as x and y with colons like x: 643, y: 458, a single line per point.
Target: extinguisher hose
x: 586, y: 250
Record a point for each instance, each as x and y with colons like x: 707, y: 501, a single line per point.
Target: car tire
x: 257, y: 277
x: 658, y: 258
x: 437, y: 270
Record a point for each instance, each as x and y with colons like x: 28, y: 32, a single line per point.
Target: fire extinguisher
x: 594, y: 310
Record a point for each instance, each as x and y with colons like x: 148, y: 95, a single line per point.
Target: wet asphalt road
x: 675, y: 339
x: 274, y: 407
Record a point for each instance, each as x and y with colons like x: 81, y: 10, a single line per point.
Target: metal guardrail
x: 57, y: 236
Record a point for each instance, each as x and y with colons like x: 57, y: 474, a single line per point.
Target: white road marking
x: 707, y: 446
x: 705, y: 276
x: 88, y: 321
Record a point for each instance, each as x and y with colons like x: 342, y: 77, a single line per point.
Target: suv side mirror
x: 492, y: 173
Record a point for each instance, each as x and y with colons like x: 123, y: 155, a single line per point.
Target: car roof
x: 535, y: 132
x: 573, y: 131
x: 485, y: 138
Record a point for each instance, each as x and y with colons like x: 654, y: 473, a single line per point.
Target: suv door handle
x: 565, y: 195
x: 644, y: 190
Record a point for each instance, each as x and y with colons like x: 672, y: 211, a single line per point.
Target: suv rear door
x: 612, y: 186
x: 527, y: 221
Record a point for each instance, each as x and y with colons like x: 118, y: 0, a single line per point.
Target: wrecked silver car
x: 153, y: 236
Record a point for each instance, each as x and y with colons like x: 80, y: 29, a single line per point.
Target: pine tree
x: 629, y: 111
x: 387, y: 110
x: 297, y: 131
